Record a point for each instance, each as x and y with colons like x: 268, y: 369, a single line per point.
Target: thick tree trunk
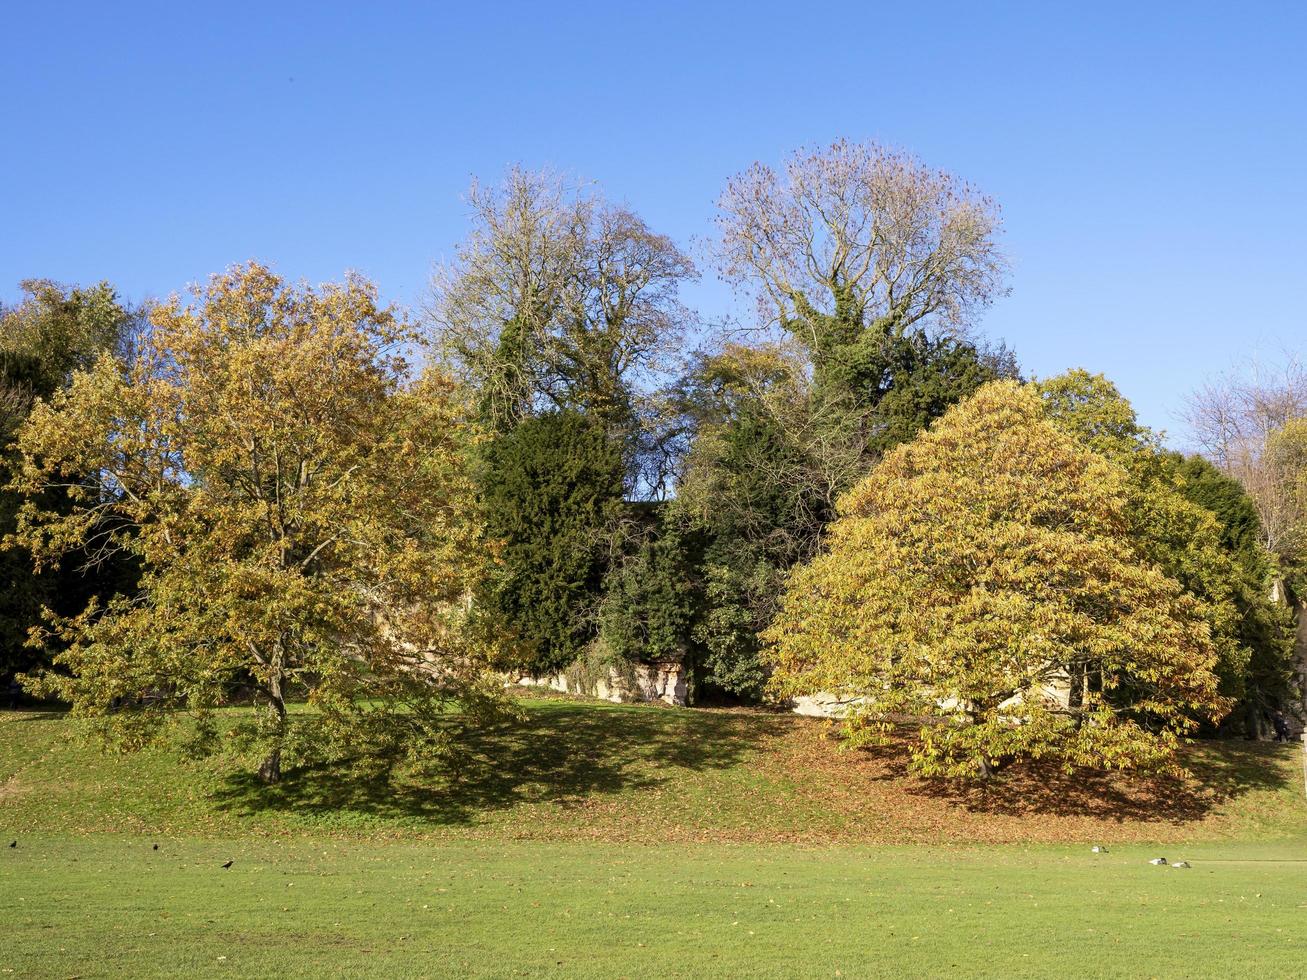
x: 1254, y: 721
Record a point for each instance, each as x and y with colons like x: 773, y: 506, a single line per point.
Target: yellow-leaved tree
x: 975, y: 580
x: 302, y: 513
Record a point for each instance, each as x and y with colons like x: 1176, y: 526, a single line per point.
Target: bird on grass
x: 229, y: 864
x: 156, y: 847
x: 1099, y: 849
x: 13, y: 843
x: 1158, y: 861
x: 1180, y: 864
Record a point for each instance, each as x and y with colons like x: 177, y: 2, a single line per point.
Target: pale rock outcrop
x: 666, y: 682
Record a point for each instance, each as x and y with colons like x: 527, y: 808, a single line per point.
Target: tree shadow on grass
x: 565, y: 753
x: 1219, y: 772
x: 32, y: 714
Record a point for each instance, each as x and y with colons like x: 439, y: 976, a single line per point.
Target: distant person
x: 15, y: 693
x: 1281, y: 724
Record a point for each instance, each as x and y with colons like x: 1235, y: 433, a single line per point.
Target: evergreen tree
x: 1264, y: 627
x: 552, y: 489
x: 648, y: 597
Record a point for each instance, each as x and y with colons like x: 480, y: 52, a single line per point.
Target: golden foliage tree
x: 972, y: 577
x: 1176, y: 532
x: 301, y: 509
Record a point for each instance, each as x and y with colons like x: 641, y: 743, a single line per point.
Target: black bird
x: 156, y: 847
x: 229, y: 864
x: 13, y: 843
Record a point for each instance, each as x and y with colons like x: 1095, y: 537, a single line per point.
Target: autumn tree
x: 970, y: 577
x: 1179, y: 536
x: 1263, y: 625
x: 1174, y: 525
x: 768, y: 460
x: 1249, y: 424
x: 1284, y: 482
x: 867, y: 269
x: 302, y: 511
x: 52, y: 332
x: 1235, y: 420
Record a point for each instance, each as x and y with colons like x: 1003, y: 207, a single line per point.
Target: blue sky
x: 1149, y: 158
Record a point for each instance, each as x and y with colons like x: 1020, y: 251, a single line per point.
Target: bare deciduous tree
x: 856, y: 236
x: 1239, y: 422
x: 491, y: 305
x: 559, y: 298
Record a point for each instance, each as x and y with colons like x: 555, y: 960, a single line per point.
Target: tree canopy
x: 302, y: 511
x: 51, y: 333
x: 553, y: 497
x: 1176, y: 514
x: 855, y: 242
x: 559, y: 299
x: 977, y: 574
x: 771, y: 455
x: 251, y: 495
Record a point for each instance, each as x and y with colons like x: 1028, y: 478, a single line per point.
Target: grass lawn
x: 112, y: 906
x: 612, y: 840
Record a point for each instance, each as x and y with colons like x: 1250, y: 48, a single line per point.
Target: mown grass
x: 109, y: 905
x: 604, y: 840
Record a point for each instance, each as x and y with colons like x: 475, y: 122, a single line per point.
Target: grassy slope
x: 581, y: 771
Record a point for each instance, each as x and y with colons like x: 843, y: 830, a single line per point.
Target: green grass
x: 112, y: 906
x: 587, y: 771
x: 603, y: 840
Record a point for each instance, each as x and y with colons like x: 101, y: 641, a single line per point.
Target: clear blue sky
x: 1149, y: 158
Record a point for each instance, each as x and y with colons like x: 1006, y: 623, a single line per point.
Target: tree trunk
x: 270, y: 768
x: 1075, y: 697
x: 1254, y: 720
